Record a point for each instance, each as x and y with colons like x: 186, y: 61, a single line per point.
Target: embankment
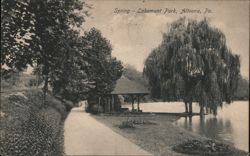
x: 30, y: 127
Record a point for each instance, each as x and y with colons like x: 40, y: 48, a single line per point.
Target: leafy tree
x: 151, y: 71
x: 45, y: 34
x: 193, y: 63
x: 103, y: 70
x: 34, y: 30
x: 69, y: 77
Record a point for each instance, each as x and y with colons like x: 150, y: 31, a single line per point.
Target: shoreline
x: 157, y: 138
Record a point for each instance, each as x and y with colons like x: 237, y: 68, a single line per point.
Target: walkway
x: 86, y: 136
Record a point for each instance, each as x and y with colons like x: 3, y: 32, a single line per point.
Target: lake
x: 230, y: 125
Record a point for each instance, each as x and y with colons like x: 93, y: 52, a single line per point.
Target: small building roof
x: 126, y: 86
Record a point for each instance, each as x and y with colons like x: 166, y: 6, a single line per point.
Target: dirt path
x: 86, y: 136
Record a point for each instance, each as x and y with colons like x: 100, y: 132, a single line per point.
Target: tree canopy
x: 33, y: 32
x: 103, y: 69
x: 46, y: 35
x: 193, y: 63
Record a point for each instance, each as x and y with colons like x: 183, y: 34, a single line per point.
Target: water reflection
x: 210, y: 127
x: 231, y: 124
x: 218, y: 128
x: 188, y: 123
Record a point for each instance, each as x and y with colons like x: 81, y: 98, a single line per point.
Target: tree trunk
x: 45, y: 88
x: 99, y: 104
x: 109, y: 104
x: 37, y: 80
x: 201, y: 111
x: 190, y: 108
x: 186, y: 107
x: 112, y: 103
x: 207, y: 110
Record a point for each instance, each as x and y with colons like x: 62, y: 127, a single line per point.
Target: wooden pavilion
x: 123, y: 87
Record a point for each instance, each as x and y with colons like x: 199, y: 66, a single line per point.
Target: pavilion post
x: 138, y: 103
x: 132, y: 98
x: 99, y: 104
x: 112, y: 103
x: 108, y: 104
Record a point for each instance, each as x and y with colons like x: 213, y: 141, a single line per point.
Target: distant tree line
x: 133, y: 74
x: 242, y: 92
x: 46, y: 35
x: 193, y: 63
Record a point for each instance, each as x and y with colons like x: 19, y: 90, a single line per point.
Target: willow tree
x: 193, y: 63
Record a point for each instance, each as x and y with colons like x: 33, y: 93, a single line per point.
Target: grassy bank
x: 29, y: 127
x: 154, y: 133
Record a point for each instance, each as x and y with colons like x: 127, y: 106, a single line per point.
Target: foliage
x: 89, y: 67
x: 193, y: 63
x: 242, y: 92
x: 33, y: 32
x: 103, y: 69
x: 35, y: 128
x: 32, y: 29
x: 49, y: 39
x: 16, y: 80
x: 127, y: 124
x: 133, y: 74
x: 10, y: 79
x: 68, y: 75
x: 207, y: 147
x: 17, y: 26
x: 96, y: 109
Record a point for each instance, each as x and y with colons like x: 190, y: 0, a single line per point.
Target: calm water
x: 231, y: 124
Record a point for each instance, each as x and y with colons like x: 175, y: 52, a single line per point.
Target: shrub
x: 207, y: 147
x: 96, y: 109
x: 126, y: 124
x: 141, y: 122
x: 35, y: 82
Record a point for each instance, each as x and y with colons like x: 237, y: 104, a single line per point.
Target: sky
x: 134, y: 33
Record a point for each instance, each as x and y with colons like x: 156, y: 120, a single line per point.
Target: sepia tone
x: 125, y: 77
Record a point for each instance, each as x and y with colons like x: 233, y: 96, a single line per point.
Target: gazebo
x: 124, y: 86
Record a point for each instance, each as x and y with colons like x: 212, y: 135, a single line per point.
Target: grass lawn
x: 154, y: 133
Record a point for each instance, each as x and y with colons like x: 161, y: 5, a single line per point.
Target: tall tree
x: 103, y: 69
x: 193, y: 63
x: 69, y: 77
x: 33, y: 30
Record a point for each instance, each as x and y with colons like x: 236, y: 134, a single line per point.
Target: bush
x: 68, y: 105
x: 208, y: 147
x: 141, y: 122
x: 96, y: 109
x: 35, y: 82
x: 126, y: 124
